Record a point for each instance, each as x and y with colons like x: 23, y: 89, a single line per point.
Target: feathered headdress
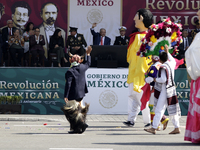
x: 158, y: 36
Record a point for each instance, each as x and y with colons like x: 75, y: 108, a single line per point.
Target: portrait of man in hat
x: 49, y: 13
x: 76, y: 42
x: 122, y: 39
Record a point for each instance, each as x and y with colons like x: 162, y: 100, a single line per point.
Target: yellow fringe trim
x: 167, y: 119
x: 152, y: 113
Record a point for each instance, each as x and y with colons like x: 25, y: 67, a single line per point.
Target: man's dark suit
x: 34, y: 45
x: 37, y: 48
x: 5, y: 35
x: 121, y: 41
x: 0, y: 48
x: 73, y: 41
x: 181, y: 48
x: 194, y: 32
x: 1, y: 42
x: 75, y: 86
x: 97, y: 38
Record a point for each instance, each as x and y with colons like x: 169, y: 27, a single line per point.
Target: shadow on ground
x: 151, y: 144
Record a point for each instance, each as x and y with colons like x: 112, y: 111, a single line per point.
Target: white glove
x: 149, y: 80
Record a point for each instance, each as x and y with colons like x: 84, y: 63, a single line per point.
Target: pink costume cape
x: 192, y: 56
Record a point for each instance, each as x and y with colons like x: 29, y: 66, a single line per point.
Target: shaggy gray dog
x: 76, y: 115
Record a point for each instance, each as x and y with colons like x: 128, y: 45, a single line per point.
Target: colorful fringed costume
x: 165, y: 35
x: 149, y: 89
x: 153, y: 73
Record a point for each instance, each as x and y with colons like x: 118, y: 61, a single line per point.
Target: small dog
x: 76, y: 115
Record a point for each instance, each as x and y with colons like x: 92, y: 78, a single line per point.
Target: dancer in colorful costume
x: 149, y: 90
x: 137, y: 67
x: 166, y: 34
x: 192, y: 55
x: 165, y: 93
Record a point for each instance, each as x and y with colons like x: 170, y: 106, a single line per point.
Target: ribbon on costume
x: 178, y: 62
x: 145, y: 96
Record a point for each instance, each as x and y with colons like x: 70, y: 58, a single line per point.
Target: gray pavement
x: 105, y: 132
x: 61, y: 118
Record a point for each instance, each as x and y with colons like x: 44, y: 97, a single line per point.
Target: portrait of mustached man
x: 20, y: 15
x: 49, y: 12
x: 2, y: 10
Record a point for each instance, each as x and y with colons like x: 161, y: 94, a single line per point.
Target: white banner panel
x: 106, y: 13
x: 108, y: 91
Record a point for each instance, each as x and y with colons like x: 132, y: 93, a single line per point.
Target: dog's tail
x: 85, y: 109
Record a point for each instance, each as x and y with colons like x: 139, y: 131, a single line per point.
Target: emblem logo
x: 94, y: 16
x: 79, y: 38
x: 108, y: 99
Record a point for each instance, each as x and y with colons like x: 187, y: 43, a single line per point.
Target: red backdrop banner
x: 183, y: 10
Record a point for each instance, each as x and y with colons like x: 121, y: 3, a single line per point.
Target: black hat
x: 73, y: 29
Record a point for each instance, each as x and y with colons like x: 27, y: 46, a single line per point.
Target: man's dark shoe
x: 147, y: 125
x: 129, y: 124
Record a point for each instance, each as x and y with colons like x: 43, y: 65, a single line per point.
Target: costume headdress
x: 155, y: 58
x: 158, y: 36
